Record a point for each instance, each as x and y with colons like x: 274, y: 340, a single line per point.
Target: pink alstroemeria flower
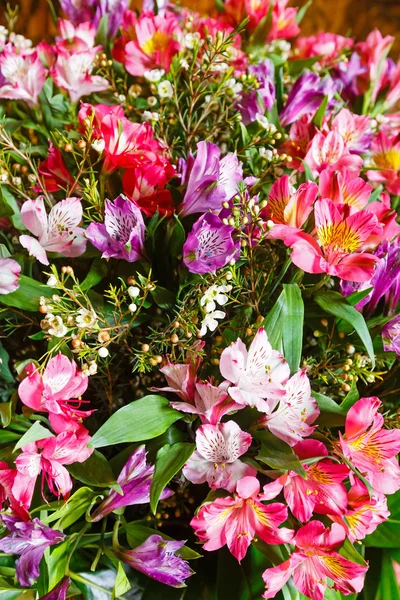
x: 154, y: 45
x: 23, y: 75
x: 57, y: 391
x: 365, y: 513
x: 7, y: 478
x: 76, y: 39
x: 288, y: 206
x: 321, y: 492
x: 48, y: 456
x: 344, y: 187
x: 256, y: 374
x: 313, y: 562
x: 72, y: 73
x: 284, y: 25
x: 331, y: 152
x: 10, y: 271
x: 370, y: 448
x: 236, y: 521
x: 135, y: 481
x: 216, y: 458
x: 386, y: 160
x: 56, y: 232
x: 337, y: 246
x: 354, y: 129
x: 329, y: 46
x: 373, y: 52
x: 294, y: 412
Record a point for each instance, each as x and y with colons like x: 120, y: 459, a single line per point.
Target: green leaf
x: 307, y: 171
x: 332, y: 414
x: 277, y: 454
x: 388, y: 587
x: 302, y: 11
x: 272, y: 323
x: 292, y: 325
x: 8, y: 436
x: 175, y: 237
x: 72, y: 509
x: 122, y: 584
x: 98, y: 270
x: 34, y: 433
x: 8, y: 199
x: 170, y: 460
x: 246, y: 139
x: 163, y: 298
x: 57, y: 562
x: 298, y: 66
x: 5, y: 374
x: 319, y: 115
x: 54, y: 108
x: 140, y: 420
x: 5, y: 209
x: 137, y: 533
x: 335, y: 304
x: 95, y: 471
x: 387, y: 534
x: 27, y: 295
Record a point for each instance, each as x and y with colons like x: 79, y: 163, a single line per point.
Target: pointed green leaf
x: 170, y: 460
x: 34, y: 433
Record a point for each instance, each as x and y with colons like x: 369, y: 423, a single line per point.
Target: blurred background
x: 347, y: 17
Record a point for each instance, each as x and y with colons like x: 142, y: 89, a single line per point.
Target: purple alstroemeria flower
x: 95, y: 10
x: 258, y: 101
x: 122, y: 233
x: 391, y: 335
x: 210, y: 180
x: 59, y: 592
x: 385, y: 282
x: 306, y: 96
x: 345, y: 77
x: 135, y: 481
x: 210, y: 245
x: 157, y: 559
x: 29, y: 540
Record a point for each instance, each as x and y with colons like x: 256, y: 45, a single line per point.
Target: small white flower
x: 57, y: 327
x: 210, y: 321
x: 165, y: 89
x: 132, y: 308
x: 133, y: 291
x: 17, y: 180
x: 150, y: 116
x: 86, y: 319
x: 215, y: 294
x: 103, y: 352
x: 52, y: 281
x: 184, y: 64
x: 235, y: 86
x: 191, y: 39
x: 154, y: 75
x: 152, y: 100
x: 267, y: 154
x: 98, y: 145
x: 122, y: 97
x: 92, y: 368
x: 4, y: 177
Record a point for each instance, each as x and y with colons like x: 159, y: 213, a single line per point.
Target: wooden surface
x: 353, y: 17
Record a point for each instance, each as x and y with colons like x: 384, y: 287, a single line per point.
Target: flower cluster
x: 211, y: 200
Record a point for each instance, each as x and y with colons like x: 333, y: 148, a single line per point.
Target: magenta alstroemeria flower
x: 157, y: 559
x: 237, y: 521
x: 135, y: 481
x: 10, y: 271
x: 255, y: 374
x: 365, y: 513
x: 294, y: 412
x: 210, y: 180
x: 72, y: 73
x: 53, y: 173
x: 59, y: 592
x: 354, y: 129
x: 48, y: 457
x: 56, y: 391
x: 122, y: 233
x: 344, y: 187
x: 321, y: 492
x: 391, y: 335
x: 370, y: 448
x: 210, y: 245
x: 314, y: 560
x: 7, y: 499
x: 305, y: 97
x: 58, y: 231
x: 22, y: 75
x: 216, y: 458
x: 29, y: 540
x: 211, y: 403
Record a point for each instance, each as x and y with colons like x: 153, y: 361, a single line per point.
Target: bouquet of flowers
x: 199, y: 307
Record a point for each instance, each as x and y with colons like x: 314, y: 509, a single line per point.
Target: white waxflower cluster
x: 215, y: 295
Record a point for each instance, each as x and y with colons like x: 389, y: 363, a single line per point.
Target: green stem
x: 78, y: 539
